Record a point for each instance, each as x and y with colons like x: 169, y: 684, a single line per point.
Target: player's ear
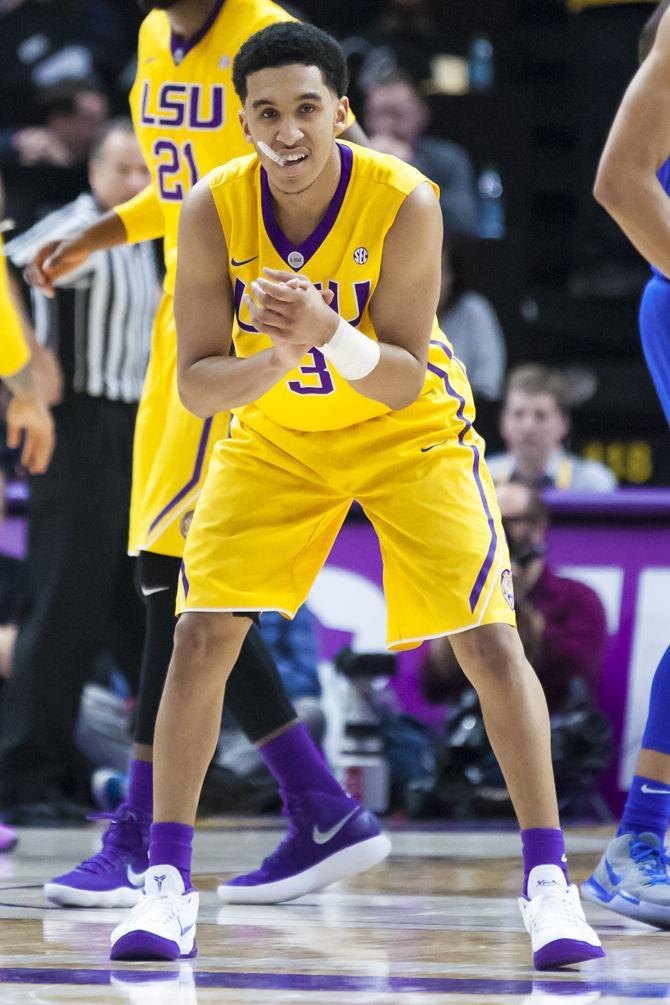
x: 342, y: 114
x: 245, y: 125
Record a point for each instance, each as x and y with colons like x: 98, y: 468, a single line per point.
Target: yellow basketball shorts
x: 171, y: 451
x: 275, y: 498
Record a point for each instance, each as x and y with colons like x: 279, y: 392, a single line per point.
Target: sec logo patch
x: 507, y: 587
x: 361, y: 255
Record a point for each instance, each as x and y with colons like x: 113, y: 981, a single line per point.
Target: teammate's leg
x: 631, y: 877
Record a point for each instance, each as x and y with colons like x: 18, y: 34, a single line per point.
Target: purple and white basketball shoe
x: 560, y: 934
x: 114, y: 877
x: 329, y: 838
x: 162, y: 925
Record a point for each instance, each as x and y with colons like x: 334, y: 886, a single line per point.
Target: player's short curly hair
x: 287, y: 43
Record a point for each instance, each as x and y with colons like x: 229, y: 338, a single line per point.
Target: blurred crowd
x: 67, y: 153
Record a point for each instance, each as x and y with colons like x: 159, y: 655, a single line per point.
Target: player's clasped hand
x: 290, y: 309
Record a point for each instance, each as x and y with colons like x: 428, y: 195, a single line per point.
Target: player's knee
x: 493, y: 654
x: 206, y: 641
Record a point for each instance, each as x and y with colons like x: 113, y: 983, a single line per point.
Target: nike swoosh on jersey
x: 245, y: 261
x: 657, y: 792
x: 424, y: 450
x: 323, y: 837
x: 135, y: 879
x: 148, y: 590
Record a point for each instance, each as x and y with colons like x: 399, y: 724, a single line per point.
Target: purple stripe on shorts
x: 184, y: 580
x: 193, y: 480
x: 311, y: 244
x: 482, y: 576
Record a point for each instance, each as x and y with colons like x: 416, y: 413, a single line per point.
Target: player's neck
x: 188, y: 16
x: 298, y: 213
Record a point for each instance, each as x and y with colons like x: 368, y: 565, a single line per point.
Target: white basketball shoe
x: 553, y: 916
x: 162, y: 925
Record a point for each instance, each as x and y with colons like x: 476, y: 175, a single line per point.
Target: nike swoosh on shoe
x: 323, y: 837
x: 135, y: 879
x: 611, y: 873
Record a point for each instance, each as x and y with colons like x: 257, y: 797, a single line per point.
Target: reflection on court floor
x: 437, y: 923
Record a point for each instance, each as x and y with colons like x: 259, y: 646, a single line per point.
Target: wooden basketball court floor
x: 437, y: 923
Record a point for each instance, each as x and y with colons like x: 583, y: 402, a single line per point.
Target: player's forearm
x: 641, y: 208
x: 219, y: 383
x: 396, y: 381
x: 107, y: 232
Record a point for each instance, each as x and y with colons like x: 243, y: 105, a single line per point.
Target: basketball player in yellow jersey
x: 321, y: 263
x: 25, y: 413
x: 185, y: 112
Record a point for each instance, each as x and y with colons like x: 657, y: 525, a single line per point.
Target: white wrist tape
x: 352, y: 353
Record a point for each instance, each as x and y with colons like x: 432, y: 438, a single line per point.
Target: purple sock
x: 647, y: 808
x: 171, y: 844
x: 542, y: 846
x: 141, y: 786
x: 297, y: 765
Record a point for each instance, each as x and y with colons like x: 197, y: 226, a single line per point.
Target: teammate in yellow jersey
x: 185, y: 113
x: 26, y: 414
x: 321, y: 263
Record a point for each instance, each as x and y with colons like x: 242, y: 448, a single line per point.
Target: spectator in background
x: 471, y: 324
x: 45, y: 45
x: 534, y: 423
x: 396, y: 119
x: 80, y: 579
x: 53, y: 159
x: 404, y: 37
x: 561, y: 622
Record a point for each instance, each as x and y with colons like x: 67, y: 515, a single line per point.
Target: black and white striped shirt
x: 99, y: 323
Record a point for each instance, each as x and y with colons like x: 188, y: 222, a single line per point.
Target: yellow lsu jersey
x: 184, y: 106
x: 343, y: 254
x: 14, y: 351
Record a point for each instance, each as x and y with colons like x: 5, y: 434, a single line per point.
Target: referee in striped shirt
x: 80, y: 578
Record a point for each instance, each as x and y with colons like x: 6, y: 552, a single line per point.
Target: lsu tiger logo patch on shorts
x: 507, y: 586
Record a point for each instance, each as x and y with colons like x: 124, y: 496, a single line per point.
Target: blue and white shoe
x: 162, y: 925
x: 632, y: 879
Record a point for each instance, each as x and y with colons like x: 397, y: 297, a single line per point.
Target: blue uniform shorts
x: 655, y: 334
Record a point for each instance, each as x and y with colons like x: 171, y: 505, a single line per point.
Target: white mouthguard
x: 269, y: 152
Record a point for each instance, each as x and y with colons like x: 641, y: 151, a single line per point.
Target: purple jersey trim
x: 311, y: 244
x: 193, y: 480
x: 476, y: 591
x: 184, y: 45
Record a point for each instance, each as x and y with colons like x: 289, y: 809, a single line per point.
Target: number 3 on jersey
x: 171, y: 159
x: 319, y: 370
